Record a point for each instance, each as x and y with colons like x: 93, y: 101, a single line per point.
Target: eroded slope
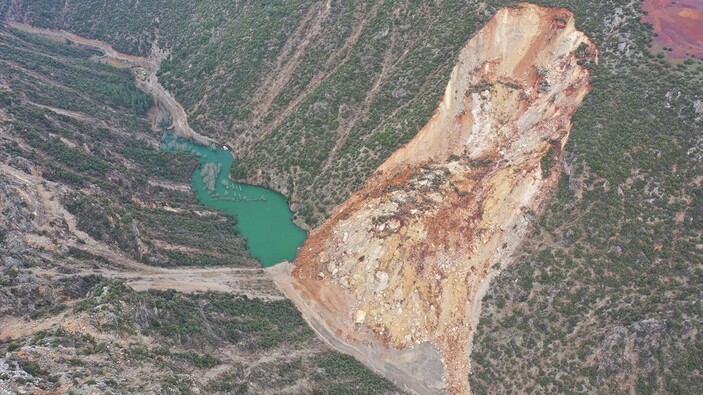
x: 406, y: 259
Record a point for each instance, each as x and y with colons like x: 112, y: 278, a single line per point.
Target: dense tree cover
x: 605, y: 296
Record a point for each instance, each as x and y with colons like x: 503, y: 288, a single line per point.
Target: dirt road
x: 44, y: 201
x: 147, y: 81
x: 416, y: 377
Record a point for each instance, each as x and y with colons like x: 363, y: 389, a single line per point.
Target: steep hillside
x: 408, y: 256
x: 605, y: 295
x: 313, y: 95
x: 91, y: 213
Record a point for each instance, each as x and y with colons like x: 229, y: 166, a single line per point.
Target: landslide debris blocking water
x: 405, y: 260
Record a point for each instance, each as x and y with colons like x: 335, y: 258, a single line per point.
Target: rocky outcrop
x: 405, y: 260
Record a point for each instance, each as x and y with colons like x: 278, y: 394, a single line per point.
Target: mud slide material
x: 422, y: 369
x: 396, y: 275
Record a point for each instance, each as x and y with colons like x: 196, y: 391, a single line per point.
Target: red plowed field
x: 679, y: 25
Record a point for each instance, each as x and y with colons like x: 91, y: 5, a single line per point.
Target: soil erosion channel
x: 263, y: 216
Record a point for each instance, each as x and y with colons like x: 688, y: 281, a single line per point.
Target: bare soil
x: 398, y: 272
x: 678, y: 24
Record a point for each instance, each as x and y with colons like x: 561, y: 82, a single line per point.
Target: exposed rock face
x: 407, y: 258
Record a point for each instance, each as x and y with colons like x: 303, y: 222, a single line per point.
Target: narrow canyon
x: 396, y: 275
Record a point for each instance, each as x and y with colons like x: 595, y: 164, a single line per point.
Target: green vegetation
x: 107, y: 85
x: 343, y: 366
x: 548, y: 161
x: 204, y: 323
x: 370, y: 77
x: 80, y: 129
x: 209, y: 318
x: 33, y: 369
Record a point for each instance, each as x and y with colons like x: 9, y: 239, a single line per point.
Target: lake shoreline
x: 263, y: 216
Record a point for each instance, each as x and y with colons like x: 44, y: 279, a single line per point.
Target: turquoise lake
x: 263, y: 216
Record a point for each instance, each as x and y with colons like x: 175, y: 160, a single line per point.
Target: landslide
x: 405, y: 261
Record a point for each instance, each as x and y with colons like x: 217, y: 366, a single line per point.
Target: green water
x: 263, y: 216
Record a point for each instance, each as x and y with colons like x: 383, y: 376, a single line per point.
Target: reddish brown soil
x: 679, y: 25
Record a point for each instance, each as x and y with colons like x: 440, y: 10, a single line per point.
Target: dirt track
x: 417, y: 376
x: 249, y: 281
x: 252, y: 282
x: 147, y: 82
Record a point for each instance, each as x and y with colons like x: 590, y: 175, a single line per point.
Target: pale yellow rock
x: 359, y: 316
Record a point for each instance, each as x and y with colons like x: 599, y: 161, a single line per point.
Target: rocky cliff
x: 404, y: 262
